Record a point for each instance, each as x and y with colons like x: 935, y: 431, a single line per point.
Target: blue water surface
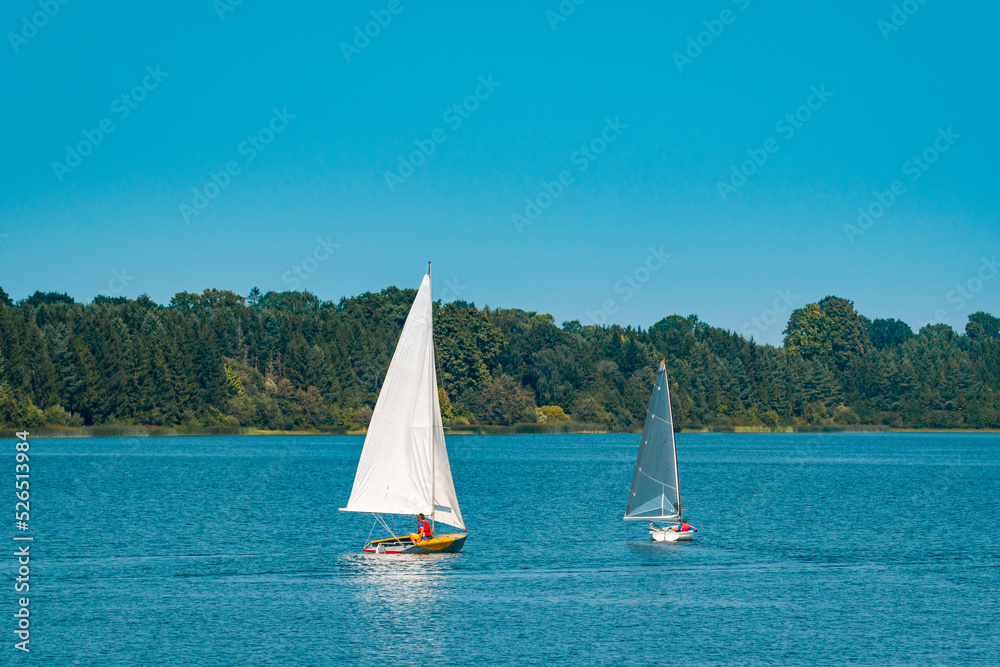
x: 812, y: 549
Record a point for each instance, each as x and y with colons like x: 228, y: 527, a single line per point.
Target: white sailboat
x: 655, y: 494
x: 404, y: 466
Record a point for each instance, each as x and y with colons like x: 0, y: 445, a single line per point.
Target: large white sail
x: 404, y: 463
x: 655, y: 492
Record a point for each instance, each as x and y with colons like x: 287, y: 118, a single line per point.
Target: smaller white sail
x: 445, y: 508
x: 404, y: 463
x: 655, y: 492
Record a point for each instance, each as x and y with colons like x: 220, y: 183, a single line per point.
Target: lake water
x: 832, y: 548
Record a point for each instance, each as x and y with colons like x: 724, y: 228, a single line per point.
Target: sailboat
x: 404, y: 467
x: 655, y: 494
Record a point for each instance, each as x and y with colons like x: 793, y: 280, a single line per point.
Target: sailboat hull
x: 440, y: 544
x: 671, y: 536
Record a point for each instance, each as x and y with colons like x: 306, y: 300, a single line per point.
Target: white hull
x: 671, y: 536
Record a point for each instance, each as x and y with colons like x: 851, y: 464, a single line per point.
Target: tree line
x: 289, y: 361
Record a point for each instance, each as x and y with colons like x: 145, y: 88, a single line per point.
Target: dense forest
x: 290, y: 361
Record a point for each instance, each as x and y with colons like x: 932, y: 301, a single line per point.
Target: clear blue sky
x: 678, y: 127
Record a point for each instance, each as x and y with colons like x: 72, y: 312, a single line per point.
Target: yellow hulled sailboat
x: 404, y: 467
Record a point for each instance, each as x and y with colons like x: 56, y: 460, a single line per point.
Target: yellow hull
x: 402, y: 545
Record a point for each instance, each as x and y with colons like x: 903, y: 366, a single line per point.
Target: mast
x: 673, y: 444
x: 434, y: 390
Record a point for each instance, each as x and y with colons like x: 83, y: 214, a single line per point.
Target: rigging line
x: 663, y: 420
x: 657, y: 481
x: 385, y: 525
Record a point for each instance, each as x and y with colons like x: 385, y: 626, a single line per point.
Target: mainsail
x: 404, y: 463
x: 655, y: 492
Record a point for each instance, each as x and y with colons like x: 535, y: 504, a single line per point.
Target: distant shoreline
x: 125, y: 431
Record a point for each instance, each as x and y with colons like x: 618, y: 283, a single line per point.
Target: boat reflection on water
x: 408, y: 582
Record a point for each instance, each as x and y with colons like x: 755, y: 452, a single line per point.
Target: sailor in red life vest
x: 423, y: 528
x: 679, y: 528
x: 682, y: 527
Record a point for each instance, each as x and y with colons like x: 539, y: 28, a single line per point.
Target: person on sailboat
x: 679, y: 528
x: 423, y: 528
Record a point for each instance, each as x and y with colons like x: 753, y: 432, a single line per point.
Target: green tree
x: 466, y: 346
x: 937, y: 332
x: 552, y: 414
x: 47, y: 298
x: 982, y: 325
x: 505, y: 402
x: 830, y: 330
x: 807, y: 332
x: 447, y: 413
x: 889, y: 333
x: 587, y: 409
